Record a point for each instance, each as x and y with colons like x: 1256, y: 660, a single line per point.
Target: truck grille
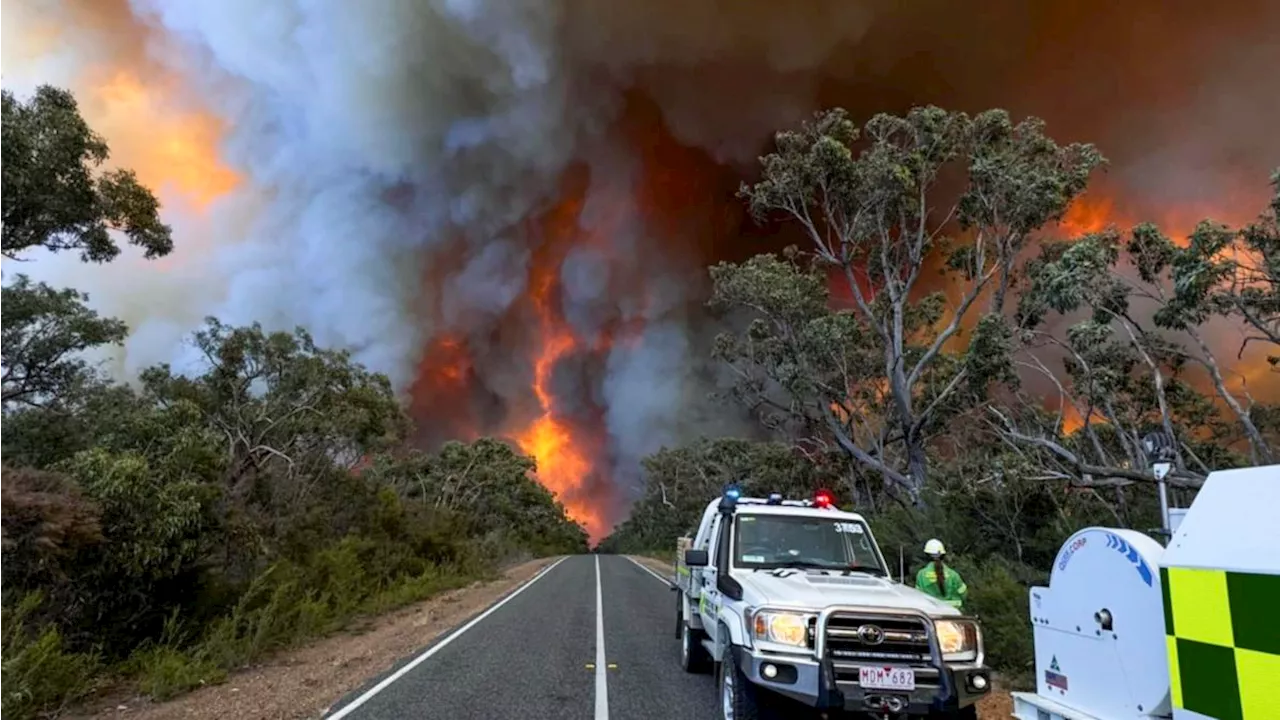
x: 902, y: 640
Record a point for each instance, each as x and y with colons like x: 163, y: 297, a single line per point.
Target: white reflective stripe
x: 646, y: 568
x: 602, y: 680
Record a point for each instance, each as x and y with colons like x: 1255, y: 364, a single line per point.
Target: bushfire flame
x: 563, y: 468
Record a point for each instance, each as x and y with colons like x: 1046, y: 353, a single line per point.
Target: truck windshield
x: 776, y: 541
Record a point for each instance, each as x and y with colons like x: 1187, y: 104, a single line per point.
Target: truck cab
x: 791, y: 601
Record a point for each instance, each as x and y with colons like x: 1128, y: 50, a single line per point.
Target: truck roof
x: 758, y: 506
x: 794, y: 510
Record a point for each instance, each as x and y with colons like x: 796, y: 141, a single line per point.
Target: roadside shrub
x: 47, y: 522
x: 287, y: 603
x: 164, y: 671
x: 39, y: 674
x: 999, y: 595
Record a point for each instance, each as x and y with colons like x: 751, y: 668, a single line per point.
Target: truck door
x: 718, y: 552
x: 708, y: 596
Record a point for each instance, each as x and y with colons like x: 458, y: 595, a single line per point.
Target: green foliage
x: 44, y: 330
x: 679, y: 482
x: 488, y: 483
x: 1126, y: 362
x: 998, y: 596
x: 151, y: 524
x: 288, y: 603
x: 257, y: 501
x: 39, y: 673
x: 164, y: 671
x: 52, y: 196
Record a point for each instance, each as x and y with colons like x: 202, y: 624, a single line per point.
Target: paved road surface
x: 590, y: 637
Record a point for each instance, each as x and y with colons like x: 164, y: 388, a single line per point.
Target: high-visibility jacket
x: 953, y: 590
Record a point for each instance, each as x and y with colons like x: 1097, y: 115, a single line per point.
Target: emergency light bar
x: 732, y: 496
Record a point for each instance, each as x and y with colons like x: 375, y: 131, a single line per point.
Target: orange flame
x: 1088, y: 214
x: 1072, y: 420
x: 453, y: 363
x: 442, y: 383
x: 562, y: 466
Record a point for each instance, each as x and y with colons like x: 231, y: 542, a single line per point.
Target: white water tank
x: 1099, y: 631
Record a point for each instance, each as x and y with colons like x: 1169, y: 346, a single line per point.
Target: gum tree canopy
x: 920, y: 216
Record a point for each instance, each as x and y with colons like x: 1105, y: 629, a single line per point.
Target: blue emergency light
x: 775, y: 498
x: 730, y: 498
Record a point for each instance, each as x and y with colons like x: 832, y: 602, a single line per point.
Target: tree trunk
x: 1261, y: 451
x: 917, y: 467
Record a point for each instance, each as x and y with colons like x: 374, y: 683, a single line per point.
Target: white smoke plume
x: 375, y: 139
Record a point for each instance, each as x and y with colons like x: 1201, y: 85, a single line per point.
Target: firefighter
x: 939, y: 579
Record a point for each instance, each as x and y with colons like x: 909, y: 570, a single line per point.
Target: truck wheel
x: 679, y: 615
x: 739, y: 699
x: 693, y: 657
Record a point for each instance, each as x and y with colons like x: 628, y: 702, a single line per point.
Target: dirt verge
x: 305, y: 681
x: 996, y: 706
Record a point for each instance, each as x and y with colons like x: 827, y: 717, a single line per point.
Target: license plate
x: 887, y: 678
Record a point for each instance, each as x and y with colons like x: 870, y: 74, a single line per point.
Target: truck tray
x: 682, y: 572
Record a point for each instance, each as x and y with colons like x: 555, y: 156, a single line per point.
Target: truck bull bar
x: 870, y: 612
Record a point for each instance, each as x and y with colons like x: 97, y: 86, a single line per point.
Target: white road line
x: 646, y: 568
x: 348, y: 709
x: 602, y: 680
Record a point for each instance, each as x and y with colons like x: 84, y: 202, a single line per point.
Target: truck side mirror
x: 695, y: 558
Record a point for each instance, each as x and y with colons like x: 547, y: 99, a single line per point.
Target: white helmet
x: 934, y: 548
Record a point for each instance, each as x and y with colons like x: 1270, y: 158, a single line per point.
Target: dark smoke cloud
x: 395, y: 153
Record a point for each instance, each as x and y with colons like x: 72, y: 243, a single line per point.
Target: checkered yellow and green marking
x: 1222, y: 630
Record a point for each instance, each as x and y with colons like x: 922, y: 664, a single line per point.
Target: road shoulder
x: 304, y: 682
x: 666, y: 570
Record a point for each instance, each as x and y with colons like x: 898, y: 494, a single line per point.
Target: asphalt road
x: 590, y: 637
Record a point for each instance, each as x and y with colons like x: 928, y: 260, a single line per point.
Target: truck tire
x: 693, y: 657
x: 739, y: 699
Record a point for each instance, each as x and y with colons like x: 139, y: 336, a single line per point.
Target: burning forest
x: 509, y: 208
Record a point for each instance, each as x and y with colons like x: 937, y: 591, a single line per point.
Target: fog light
x: 769, y: 671
x: 978, y: 682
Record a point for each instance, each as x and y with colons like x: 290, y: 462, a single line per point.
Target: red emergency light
x: 823, y: 499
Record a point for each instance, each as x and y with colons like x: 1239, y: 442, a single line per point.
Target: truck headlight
x: 957, y: 640
x: 784, y: 628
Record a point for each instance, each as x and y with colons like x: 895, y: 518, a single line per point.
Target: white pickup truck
x: 793, y: 599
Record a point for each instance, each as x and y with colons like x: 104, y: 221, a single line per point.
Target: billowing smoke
x: 446, y: 186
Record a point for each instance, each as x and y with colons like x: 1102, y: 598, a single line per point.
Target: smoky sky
x: 409, y: 167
